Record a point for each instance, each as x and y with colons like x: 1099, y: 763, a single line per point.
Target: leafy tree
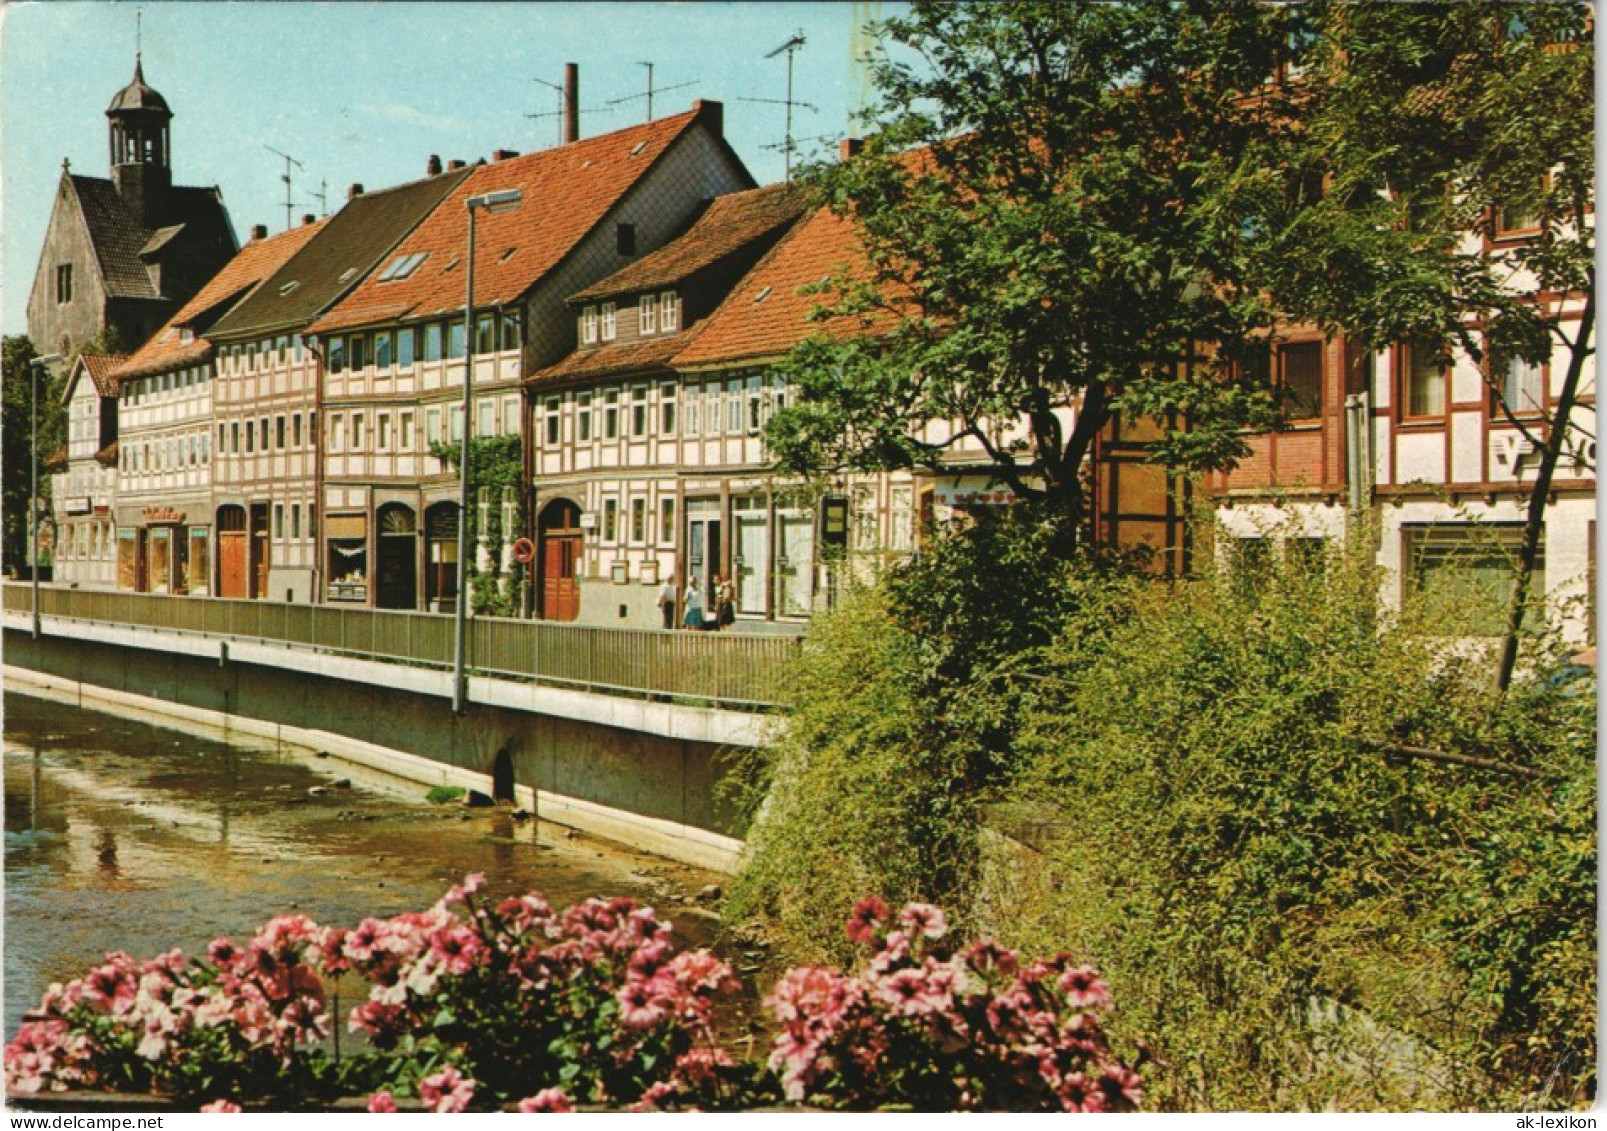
x: 15, y: 426
x: 1434, y: 121
x: 1062, y: 203
x: 494, y: 468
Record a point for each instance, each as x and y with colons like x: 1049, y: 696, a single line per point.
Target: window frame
x: 1405, y: 369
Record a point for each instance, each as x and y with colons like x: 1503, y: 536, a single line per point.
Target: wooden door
x: 558, y: 558
x: 233, y: 554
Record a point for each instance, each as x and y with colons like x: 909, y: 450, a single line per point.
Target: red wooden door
x: 232, y: 564
x: 560, y: 591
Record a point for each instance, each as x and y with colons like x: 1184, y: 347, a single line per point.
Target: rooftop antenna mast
x: 285, y: 177
x: 791, y: 49
x: 321, y: 196
x: 560, y: 113
x: 649, y: 95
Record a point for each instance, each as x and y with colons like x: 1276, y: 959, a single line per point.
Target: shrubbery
x: 1243, y: 819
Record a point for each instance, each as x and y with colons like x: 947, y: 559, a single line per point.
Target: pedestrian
x: 724, y: 606
x: 694, y: 605
x: 666, y: 603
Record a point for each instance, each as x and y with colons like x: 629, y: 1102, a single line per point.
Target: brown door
x: 259, y: 550
x: 559, y: 560
x: 232, y: 555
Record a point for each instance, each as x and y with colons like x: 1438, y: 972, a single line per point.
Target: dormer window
x: 402, y: 266
x: 588, y: 326
x: 286, y: 288
x: 647, y: 315
x: 610, y: 322
x: 669, y: 311
x: 346, y: 274
x: 186, y: 336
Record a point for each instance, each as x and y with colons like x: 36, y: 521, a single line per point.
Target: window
x: 402, y: 266
x: 383, y: 348
x: 432, y: 342
x: 279, y: 432
x: 336, y: 426
x: 666, y: 410
x: 295, y: 520
x: 234, y: 439
x: 432, y: 426
x: 405, y: 340
x: 510, y: 416
x: 312, y: 427
x: 1424, y: 380
x: 485, y: 333
x: 625, y: 239
x: 610, y: 322
x: 356, y: 351
x: 638, y: 520
x: 694, y: 415
x: 1514, y: 220
x: 280, y: 345
x: 553, y: 421
x: 404, y: 431
x: 456, y: 420
x: 382, y: 427
x: 454, y: 339
x: 1523, y: 384
x: 666, y: 519
x: 251, y: 438
x: 295, y: 429
x: 278, y: 520
x: 263, y: 425
x: 485, y: 420
x: 337, y: 355
x: 669, y: 312
x: 1466, y: 573
x: 711, y: 409
x: 588, y: 326
x: 639, y: 411
x: 1302, y: 379
x: 611, y: 416
x: 647, y: 315
x: 583, y: 418
x: 64, y: 282
x: 512, y: 338
x: 733, y: 407
x: 610, y: 519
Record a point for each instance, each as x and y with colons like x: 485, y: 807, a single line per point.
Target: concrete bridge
x: 622, y: 732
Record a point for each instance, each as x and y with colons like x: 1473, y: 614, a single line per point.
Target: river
x: 122, y: 835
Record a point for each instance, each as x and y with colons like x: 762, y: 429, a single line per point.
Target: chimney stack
x: 712, y: 112
x: 308, y: 218
x: 432, y: 167
x: 503, y: 154
x: 571, y: 102
x: 849, y: 148
x: 354, y: 192
x: 259, y: 231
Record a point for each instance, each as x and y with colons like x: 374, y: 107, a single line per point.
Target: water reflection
x: 121, y: 835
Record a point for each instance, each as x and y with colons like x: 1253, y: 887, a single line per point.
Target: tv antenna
x: 321, y: 196
x: 560, y: 112
x: 649, y: 95
x: 789, y: 48
x: 285, y: 177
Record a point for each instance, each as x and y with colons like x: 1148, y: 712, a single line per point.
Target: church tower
x: 140, y: 149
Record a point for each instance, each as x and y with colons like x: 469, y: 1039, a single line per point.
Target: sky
x: 362, y: 92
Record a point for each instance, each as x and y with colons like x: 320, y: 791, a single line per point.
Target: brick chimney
x: 503, y: 154
x: 454, y: 165
x: 849, y: 148
x: 432, y: 167
x: 355, y: 191
x: 308, y: 218
x: 259, y: 231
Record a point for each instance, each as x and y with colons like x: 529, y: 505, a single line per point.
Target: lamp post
x: 34, y: 367
x: 503, y: 201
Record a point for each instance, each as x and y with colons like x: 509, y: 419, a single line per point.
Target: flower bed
x: 480, y: 1005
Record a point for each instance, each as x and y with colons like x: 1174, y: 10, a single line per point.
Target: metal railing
x: 729, y: 670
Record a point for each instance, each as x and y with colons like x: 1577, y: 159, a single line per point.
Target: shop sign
x: 588, y: 520
x: 162, y: 514
x: 82, y: 505
x: 973, y: 491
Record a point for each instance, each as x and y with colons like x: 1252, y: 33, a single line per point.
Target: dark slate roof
x: 137, y: 95
x: 730, y: 225
x: 195, y: 227
x: 343, y: 253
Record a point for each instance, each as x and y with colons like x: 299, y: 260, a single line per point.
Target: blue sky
x: 365, y: 92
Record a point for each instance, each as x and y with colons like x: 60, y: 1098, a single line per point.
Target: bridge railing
x: 728, y: 669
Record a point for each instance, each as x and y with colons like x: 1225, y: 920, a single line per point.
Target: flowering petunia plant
x: 933, y: 1028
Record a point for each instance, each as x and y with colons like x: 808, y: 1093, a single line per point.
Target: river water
x: 123, y: 835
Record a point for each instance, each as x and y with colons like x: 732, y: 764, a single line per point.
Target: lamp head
x: 504, y: 200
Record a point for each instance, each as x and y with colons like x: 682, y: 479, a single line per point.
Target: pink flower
x: 698, y: 1065
x: 924, y: 919
x: 459, y: 893
x: 548, y: 1099
x: 456, y: 949
x: 382, y: 1103
x: 1084, y: 989
x: 221, y: 1105
x: 866, y: 920
x: 640, y: 1006
x: 699, y: 971
x: 653, y: 1099
x: 987, y: 956
x: 1121, y: 1089
x: 447, y: 1091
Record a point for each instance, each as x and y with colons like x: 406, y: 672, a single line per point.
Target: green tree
x: 1437, y: 121
x: 15, y: 427
x: 1061, y: 203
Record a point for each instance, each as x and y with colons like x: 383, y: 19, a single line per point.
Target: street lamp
x: 34, y: 367
x: 505, y: 200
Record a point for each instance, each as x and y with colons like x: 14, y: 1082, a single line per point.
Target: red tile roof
x: 766, y: 315
x: 728, y: 225
x: 107, y: 456
x: 102, y: 370
x: 567, y: 192
x: 612, y: 360
x: 254, y: 263
x: 55, y: 461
